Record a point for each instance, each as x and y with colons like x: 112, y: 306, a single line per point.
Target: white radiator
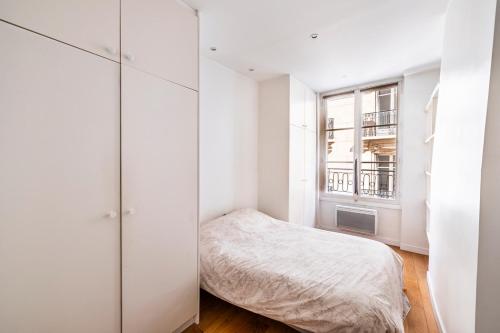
x: 356, y: 219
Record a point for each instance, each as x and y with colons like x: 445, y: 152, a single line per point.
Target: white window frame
x: 322, y: 165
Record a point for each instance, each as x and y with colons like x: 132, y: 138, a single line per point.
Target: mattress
x: 311, y: 279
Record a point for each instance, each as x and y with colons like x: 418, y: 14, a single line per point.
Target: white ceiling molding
x: 423, y: 68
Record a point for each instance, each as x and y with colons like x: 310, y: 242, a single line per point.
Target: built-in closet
x: 287, y: 150
x: 99, y: 171
x: 430, y: 114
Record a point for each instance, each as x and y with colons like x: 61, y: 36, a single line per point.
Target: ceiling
x: 359, y: 40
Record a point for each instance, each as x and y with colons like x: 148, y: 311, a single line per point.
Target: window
x: 361, y: 142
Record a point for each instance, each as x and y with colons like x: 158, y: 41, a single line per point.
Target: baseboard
x: 186, y: 325
x: 415, y: 249
x: 384, y: 240
x: 388, y: 241
x: 435, y: 309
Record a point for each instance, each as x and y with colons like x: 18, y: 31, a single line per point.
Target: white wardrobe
x: 302, y: 183
x: 99, y: 171
x: 287, y: 150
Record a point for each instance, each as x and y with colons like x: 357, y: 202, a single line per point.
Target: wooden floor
x: 221, y: 317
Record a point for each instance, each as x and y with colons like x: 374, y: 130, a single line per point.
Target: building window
x: 361, y: 142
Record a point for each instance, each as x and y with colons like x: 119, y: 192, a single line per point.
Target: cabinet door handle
x: 111, y: 214
x: 130, y: 211
x: 111, y: 50
x: 129, y: 57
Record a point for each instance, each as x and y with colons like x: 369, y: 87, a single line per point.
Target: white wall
x: 488, y: 276
x: 458, y: 149
x: 389, y: 218
x: 417, y: 88
x: 274, y: 113
x: 228, y: 140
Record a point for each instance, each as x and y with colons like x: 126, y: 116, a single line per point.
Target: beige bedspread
x: 316, y: 280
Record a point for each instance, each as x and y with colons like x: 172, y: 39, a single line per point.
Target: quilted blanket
x: 311, y: 279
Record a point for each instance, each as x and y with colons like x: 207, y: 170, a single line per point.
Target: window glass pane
x: 379, y: 111
x: 340, y: 143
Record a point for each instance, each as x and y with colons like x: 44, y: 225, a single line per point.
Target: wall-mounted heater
x: 356, y: 219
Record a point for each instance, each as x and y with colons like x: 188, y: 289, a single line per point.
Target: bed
x: 310, y: 279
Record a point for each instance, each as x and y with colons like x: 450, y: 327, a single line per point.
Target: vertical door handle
x: 129, y: 57
x: 130, y: 211
x: 111, y: 214
x: 111, y: 50
x: 356, y: 192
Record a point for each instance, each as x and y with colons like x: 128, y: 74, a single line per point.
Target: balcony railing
x: 375, y: 181
x: 380, y: 123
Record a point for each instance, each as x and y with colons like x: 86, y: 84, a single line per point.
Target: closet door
x: 160, y: 200
x: 297, y: 102
x: 59, y: 193
x: 310, y: 177
x: 93, y: 25
x: 297, y: 178
x: 310, y: 110
x: 310, y: 158
x: 161, y: 37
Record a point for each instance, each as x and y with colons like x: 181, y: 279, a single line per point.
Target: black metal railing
x: 375, y: 181
x: 340, y: 180
x: 380, y: 123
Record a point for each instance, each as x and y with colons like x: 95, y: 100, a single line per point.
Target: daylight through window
x: 361, y: 142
